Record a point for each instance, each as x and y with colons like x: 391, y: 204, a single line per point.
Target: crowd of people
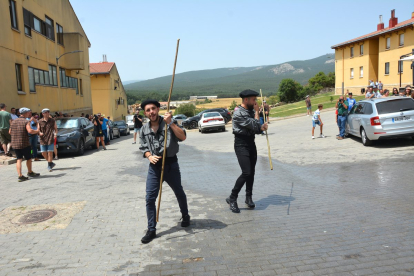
x: 22, y: 130
x: 375, y: 90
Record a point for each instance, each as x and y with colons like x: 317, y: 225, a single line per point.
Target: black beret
x: 155, y: 102
x: 248, y: 93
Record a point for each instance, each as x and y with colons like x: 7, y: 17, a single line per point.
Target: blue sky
x: 140, y: 36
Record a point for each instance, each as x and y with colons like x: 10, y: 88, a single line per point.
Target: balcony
x: 73, y: 42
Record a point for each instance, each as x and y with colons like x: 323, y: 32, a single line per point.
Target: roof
x: 100, y: 68
x: 401, y: 25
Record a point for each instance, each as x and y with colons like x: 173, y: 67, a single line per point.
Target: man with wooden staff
x: 151, y: 140
x: 245, y: 126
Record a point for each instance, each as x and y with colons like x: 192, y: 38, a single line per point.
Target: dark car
x: 113, y: 130
x: 192, y: 122
x: 74, y: 135
x: 123, y: 127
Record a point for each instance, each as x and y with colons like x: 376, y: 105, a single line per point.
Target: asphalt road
x: 328, y: 208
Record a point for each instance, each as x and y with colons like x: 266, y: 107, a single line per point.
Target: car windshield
x: 67, y: 123
x: 395, y: 106
x: 211, y: 114
x: 120, y: 123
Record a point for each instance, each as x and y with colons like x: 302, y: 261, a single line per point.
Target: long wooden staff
x: 267, y: 138
x: 165, y: 133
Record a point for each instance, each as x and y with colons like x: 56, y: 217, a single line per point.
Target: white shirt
x: 316, y: 115
x: 13, y: 116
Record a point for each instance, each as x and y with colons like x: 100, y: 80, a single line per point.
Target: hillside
x: 228, y: 82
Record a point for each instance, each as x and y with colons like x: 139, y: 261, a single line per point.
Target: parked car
x: 192, y: 122
x: 74, y: 135
x: 383, y: 118
x: 211, y: 121
x: 113, y: 130
x: 123, y: 127
x: 129, y: 121
x: 179, y: 118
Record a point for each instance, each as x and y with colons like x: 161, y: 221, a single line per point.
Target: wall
x: 38, y: 51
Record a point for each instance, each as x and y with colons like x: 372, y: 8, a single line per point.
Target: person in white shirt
x: 370, y: 94
x: 316, y: 120
x: 13, y: 113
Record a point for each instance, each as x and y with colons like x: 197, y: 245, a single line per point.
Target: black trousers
x: 247, y: 157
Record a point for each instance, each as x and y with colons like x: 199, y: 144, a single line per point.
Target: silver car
x: 383, y: 118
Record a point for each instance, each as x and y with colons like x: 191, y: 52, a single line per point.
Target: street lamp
x: 57, y: 59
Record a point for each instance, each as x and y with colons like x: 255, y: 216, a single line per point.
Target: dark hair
x: 87, y: 116
x: 386, y: 91
x: 12, y: 108
x: 2, y: 105
x: 395, y: 88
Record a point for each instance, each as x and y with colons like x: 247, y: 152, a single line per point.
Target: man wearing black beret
x: 152, y: 146
x: 245, y: 126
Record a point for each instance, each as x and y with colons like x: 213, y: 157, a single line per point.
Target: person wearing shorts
x: 308, y: 105
x: 316, y: 120
x: 48, y: 132
x: 5, y: 121
x: 19, y: 131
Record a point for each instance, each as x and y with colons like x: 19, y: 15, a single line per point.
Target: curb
x: 8, y: 161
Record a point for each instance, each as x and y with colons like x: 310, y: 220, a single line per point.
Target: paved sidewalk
x: 342, y: 217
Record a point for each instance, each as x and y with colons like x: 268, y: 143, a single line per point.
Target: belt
x: 342, y: 115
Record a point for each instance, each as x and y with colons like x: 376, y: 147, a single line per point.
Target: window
x: 66, y: 81
x: 52, y: 75
x: 400, y: 66
x: 59, y: 31
x: 50, y: 31
x: 361, y: 72
x: 19, y: 77
x: 37, y: 24
x: 352, y: 73
x: 31, y: 80
x: 361, y: 49
x: 27, y: 22
x: 387, y: 68
x: 352, y: 51
x: 388, y: 43
x: 37, y: 76
x: 401, y: 39
x: 13, y: 17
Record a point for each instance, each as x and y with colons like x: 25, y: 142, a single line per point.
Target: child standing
x: 316, y: 120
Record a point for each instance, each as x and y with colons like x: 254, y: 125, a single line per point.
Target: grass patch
x: 300, y: 107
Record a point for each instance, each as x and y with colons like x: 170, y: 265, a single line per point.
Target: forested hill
x: 228, y: 82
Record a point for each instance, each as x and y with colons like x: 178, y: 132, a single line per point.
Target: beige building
x: 44, y: 57
x: 376, y: 56
x: 108, y: 94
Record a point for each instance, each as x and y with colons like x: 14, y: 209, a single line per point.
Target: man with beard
x: 152, y: 146
x: 245, y: 126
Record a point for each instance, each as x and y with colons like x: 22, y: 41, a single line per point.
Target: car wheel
x: 199, y: 129
x: 202, y: 131
x: 81, y: 147
x: 193, y: 124
x: 111, y: 135
x: 365, y: 140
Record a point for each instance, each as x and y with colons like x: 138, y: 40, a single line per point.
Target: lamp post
x: 57, y: 59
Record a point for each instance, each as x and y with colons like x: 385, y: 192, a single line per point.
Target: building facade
x: 34, y: 34
x: 376, y: 56
x: 108, y: 94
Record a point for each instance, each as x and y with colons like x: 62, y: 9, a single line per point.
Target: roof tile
x: 101, y: 67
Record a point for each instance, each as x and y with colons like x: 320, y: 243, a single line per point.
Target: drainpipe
x: 343, y: 71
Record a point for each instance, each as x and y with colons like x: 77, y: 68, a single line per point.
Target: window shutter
x: 26, y: 17
x: 31, y: 20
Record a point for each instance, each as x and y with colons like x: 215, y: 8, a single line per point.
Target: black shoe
x: 23, y: 178
x: 52, y: 165
x: 233, y: 205
x: 33, y: 174
x: 249, y: 202
x: 149, y: 236
x: 185, y: 221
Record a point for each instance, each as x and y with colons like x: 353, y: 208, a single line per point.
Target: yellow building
x: 375, y: 57
x: 108, y: 94
x: 34, y: 34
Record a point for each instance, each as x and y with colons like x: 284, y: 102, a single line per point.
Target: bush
x: 272, y: 100
x: 186, y: 109
x: 233, y: 105
x: 289, y: 90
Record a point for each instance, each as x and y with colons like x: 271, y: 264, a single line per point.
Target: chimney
x: 412, y: 15
x: 380, y: 25
x: 393, y: 20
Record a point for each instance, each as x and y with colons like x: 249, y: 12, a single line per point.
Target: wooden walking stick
x: 165, y: 133
x: 267, y: 138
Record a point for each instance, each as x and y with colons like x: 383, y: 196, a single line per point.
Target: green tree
x: 272, y: 100
x: 186, y: 109
x: 331, y: 99
x: 289, y: 90
x: 233, y: 105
